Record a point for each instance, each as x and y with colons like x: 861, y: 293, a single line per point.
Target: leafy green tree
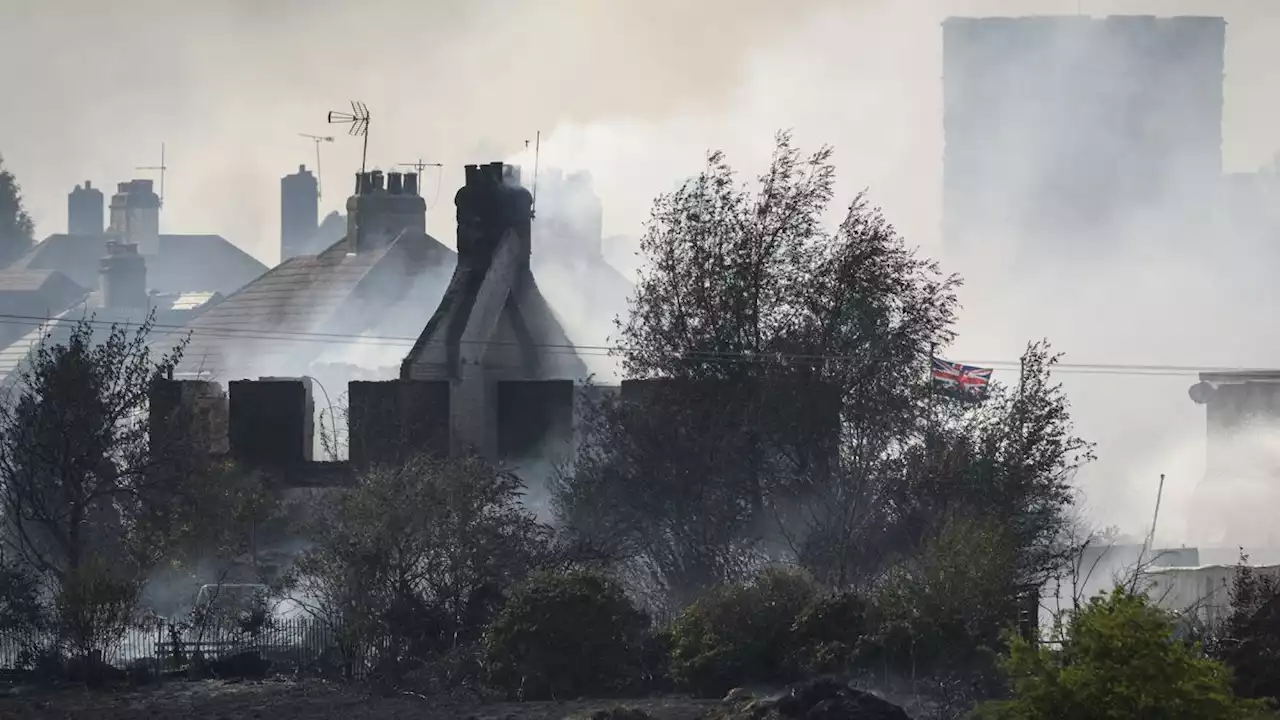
x: 416, y: 559
x: 566, y: 635
x: 16, y: 226
x: 1119, y: 660
x: 89, y: 498
x: 941, y: 613
x: 794, y: 419
x: 80, y: 480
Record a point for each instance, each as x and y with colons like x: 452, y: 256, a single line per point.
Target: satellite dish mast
x: 317, y: 139
x: 358, y: 119
x: 161, y: 167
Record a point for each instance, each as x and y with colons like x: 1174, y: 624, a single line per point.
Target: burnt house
x: 378, y: 282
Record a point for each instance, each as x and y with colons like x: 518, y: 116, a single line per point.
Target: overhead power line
x: 250, y: 334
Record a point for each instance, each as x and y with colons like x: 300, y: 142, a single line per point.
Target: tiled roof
x: 12, y: 356
x: 289, y: 316
x: 36, y: 281
x: 184, y: 263
x: 58, y: 327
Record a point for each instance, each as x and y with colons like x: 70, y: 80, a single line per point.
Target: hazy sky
x: 635, y: 91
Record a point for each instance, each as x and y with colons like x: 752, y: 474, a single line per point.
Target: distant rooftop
x: 184, y: 263
x: 1240, y: 376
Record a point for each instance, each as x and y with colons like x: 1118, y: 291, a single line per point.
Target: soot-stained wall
x: 190, y: 412
x: 391, y: 420
x: 534, y: 417
x: 272, y: 421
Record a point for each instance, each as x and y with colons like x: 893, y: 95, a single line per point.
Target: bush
x: 1119, y: 659
x: 566, y: 635
x: 22, y: 615
x: 740, y: 634
x: 835, y: 633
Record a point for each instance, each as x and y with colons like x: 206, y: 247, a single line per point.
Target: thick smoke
x: 1172, y: 293
x: 636, y: 92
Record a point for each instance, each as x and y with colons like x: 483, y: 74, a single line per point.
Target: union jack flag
x: 964, y: 379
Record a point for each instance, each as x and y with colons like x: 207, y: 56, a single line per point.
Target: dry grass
x: 304, y: 700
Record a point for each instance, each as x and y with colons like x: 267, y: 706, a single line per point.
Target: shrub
x: 739, y: 634
x: 22, y: 614
x: 1119, y: 659
x: 832, y: 634
x: 566, y: 635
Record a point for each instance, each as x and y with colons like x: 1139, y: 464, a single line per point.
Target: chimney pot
x: 411, y: 183
x: 395, y: 183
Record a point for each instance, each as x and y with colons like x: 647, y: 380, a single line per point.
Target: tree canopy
x: 16, y: 226
x: 791, y: 413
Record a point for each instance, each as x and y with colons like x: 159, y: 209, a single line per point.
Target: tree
x: 942, y: 612
x: 89, y: 499
x: 416, y: 559
x: 1119, y: 660
x: 79, y: 478
x: 16, y: 227
x: 794, y: 417
x: 1249, y: 640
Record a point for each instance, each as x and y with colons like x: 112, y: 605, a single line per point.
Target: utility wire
x: 277, y: 336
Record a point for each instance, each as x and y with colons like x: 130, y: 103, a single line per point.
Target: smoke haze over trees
x: 757, y: 318
x: 862, y: 75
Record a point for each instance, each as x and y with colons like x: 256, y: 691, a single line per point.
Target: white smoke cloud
x: 637, y: 93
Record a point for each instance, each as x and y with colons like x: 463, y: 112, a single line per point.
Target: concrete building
x: 1200, y: 592
x: 1241, y: 478
x: 1063, y: 132
x: 299, y: 214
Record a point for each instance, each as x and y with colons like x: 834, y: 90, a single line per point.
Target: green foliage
x: 79, y: 479
x: 740, y: 633
x: 1249, y: 640
x: 944, y: 610
x: 758, y: 319
x: 87, y: 497
x: 16, y: 227
x: 1119, y: 660
x: 417, y: 559
x: 564, y: 636
x: 836, y: 633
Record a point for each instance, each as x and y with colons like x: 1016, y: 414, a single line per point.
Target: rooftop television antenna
x: 317, y: 139
x: 161, y: 167
x: 419, y: 166
x: 358, y: 119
